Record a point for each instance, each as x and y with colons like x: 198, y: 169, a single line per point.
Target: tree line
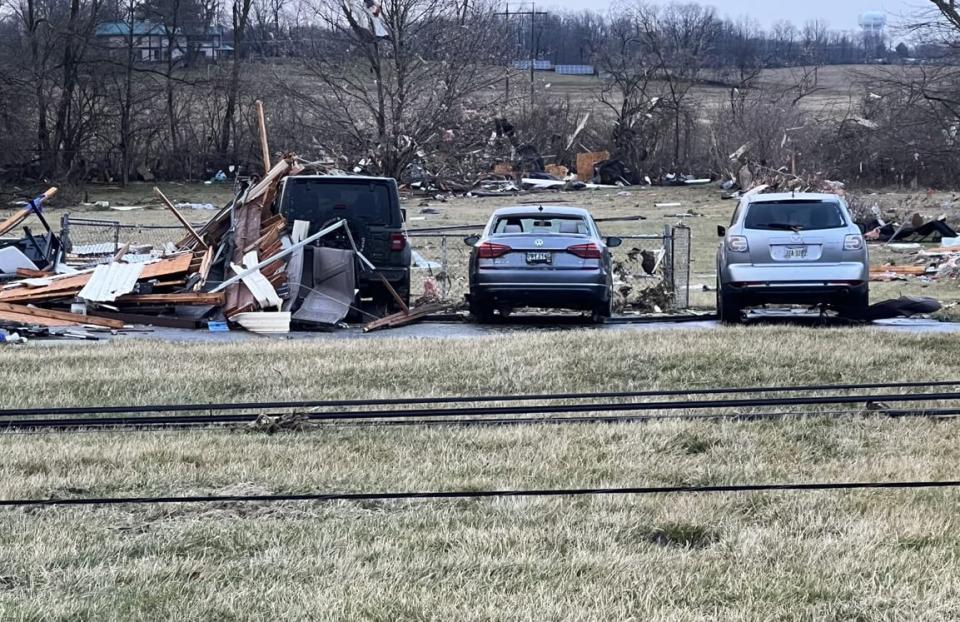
x: 121, y: 90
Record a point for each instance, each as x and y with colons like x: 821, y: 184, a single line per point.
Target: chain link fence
x: 442, y: 259
x: 93, y: 238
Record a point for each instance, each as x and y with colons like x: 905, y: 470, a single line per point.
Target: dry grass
x: 867, y: 556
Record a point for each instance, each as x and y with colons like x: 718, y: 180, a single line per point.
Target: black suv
x: 371, y: 207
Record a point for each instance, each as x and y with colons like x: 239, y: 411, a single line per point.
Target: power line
x: 532, y: 14
x: 224, y: 406
x: 485, y: 494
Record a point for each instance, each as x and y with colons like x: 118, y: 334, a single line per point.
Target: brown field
x: 783, y: 556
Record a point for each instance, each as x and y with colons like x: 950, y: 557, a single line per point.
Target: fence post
x: 681, y: 236
x: 668, y: 275
x: 65, y: 233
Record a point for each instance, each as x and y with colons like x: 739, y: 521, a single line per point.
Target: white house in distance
x: 151, y: 42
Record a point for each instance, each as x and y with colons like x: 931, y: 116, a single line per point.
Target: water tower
x: 872, y: 26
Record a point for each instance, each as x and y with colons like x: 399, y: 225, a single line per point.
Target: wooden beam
x: 205, y: 266
x: 48, y: 317
x: 22, y: 215
x: 149, y: 320
x: 179, y: 216
x: 264, y: 146
x: 71, y: 285
x: 28, y: 273
x: 190, y: 298
x: 402, y: 319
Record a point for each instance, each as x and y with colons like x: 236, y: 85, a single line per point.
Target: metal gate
x: 444, y: 258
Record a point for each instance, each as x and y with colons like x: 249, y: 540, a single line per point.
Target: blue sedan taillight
x: 489, y: 250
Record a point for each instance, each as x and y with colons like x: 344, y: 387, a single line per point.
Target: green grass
x: 835, y: 556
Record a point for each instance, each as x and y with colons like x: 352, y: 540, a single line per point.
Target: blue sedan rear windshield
x: 795, y: 216
x: 541, y: 225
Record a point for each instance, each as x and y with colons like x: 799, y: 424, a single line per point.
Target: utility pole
x: 532, y: 14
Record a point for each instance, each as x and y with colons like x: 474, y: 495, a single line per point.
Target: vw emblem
x: 538, y: 243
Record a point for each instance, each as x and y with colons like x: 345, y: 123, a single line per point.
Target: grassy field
x: 823, y: 556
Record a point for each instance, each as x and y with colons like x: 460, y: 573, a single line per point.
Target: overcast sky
x: 839, y: 14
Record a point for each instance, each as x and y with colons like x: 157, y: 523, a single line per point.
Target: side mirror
x: 614, y: 242
x: 472, y: 240
x: 721, y: 231
x: 403, y: 214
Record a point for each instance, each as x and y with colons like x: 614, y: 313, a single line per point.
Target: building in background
x: 873, y: 25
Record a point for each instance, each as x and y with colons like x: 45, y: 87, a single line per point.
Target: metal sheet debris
x: 111, y: 281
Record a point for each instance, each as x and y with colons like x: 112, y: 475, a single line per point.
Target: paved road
x: 464, y: 330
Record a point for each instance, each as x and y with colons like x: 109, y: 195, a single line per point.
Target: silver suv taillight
x: 853, y: 243
x: 738, y: 244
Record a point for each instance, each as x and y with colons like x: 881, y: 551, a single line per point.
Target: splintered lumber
x: 402, y: 319
x: 22, y: 215
x: 148, y: 320
x: 46, y: 317
x: 70, y: 286
x: 264, y: 146
x: 189, y: 299
x: 205, y: 266
x: 183, y: 221
x: 27, y: 273
x: 247, y: 231
x: 904, y: 270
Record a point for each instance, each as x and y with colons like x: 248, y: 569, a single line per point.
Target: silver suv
x: 784, y: 249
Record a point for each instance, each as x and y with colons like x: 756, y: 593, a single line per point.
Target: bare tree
x: 241, y: 20
x: 394, y: 97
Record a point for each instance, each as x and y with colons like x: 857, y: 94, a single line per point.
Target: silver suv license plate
x: 795, y: 253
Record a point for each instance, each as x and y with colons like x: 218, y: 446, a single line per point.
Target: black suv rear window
x: 323, y: 201
x: 794, y: 216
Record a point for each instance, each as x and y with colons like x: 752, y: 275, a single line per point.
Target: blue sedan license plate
x: 539, y: 258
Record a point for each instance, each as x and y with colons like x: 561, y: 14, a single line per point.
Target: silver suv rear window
x: 794, y: 216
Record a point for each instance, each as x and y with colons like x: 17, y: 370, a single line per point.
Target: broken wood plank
x: 393, y: 292
x: 120, y: 253
x: 48, y: 317
x: 204, y: 271
x: 148, y: 320
x: 402, y: 319
x: 71, y: 285
x: 264, y: 146
x: 27, y: 273
x: 908, y: 270
x: 188, y: 298
x: 22, y: 215
x: 183, y: 221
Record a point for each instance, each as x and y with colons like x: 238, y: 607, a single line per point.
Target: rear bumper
x: 786, y: 275
x: 566, y: 289
x: 833, y: 284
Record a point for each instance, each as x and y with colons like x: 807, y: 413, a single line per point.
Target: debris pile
x: 245, y: 267
x: 170, y: 286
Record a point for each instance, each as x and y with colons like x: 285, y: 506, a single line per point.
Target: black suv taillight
x: 398, y: 241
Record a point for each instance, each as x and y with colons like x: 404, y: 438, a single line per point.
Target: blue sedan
x: 544, y: 257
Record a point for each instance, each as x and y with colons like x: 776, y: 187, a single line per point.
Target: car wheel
x: 728, y: 306
x: 857, y: 308
x: 602, y: 312
x: 481, y: 311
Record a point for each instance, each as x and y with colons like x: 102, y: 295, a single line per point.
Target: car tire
x: 481, y: 311
x: 857, y: 308
x: 729, y: 308
x: 602, y: 312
